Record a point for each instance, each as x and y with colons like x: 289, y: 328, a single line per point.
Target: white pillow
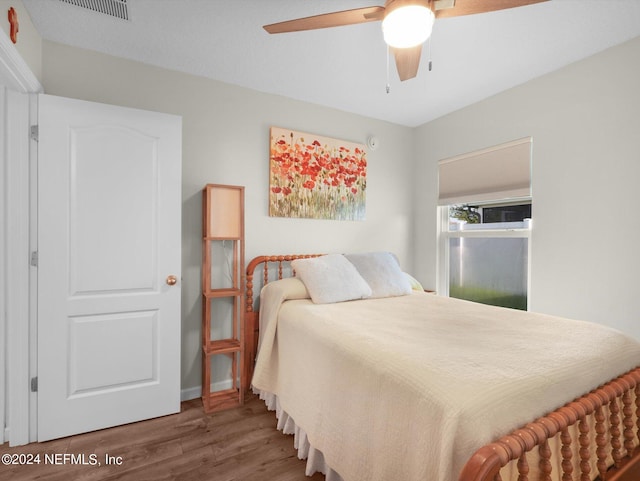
x: 331, y: 278
x: 382, y: 272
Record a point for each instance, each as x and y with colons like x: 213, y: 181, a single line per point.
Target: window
x: 485, y: 220
x: 486, y: 253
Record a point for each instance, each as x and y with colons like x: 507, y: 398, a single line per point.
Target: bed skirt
x: 286, y: 424
x: 316, y: 462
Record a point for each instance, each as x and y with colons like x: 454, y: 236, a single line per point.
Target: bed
x: 422, y: 387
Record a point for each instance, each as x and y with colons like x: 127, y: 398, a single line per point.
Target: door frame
x: 17, y: 285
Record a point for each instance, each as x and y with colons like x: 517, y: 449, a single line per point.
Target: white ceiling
x: 345, y: 68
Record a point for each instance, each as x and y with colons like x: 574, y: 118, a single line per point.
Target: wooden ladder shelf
x: 223, y: 374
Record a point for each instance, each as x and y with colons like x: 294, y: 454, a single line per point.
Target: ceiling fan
x: 406, y: 24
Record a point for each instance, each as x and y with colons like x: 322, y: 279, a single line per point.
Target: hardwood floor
x: 240, y: 444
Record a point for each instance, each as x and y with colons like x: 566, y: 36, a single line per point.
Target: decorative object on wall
x: 12, y: 16
x: 316, y: 177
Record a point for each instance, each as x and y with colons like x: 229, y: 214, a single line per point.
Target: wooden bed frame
x: 618, y: 399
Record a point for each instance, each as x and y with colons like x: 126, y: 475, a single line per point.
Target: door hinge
x: 34, y: 258
x: 34, y: 132
x: 34, y: 384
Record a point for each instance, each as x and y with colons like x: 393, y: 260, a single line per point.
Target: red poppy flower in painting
x: 316, y: 177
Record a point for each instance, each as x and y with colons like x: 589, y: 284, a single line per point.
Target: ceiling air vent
x: 114, y: 8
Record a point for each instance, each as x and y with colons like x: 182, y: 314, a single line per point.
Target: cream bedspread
x: 407, y: 388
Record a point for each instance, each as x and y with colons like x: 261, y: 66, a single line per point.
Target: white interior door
x: 109, y: 202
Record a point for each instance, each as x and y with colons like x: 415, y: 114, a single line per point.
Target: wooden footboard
x: 610, y: 415
x: 598, y: 435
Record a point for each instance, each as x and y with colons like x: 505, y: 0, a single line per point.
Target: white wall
x: 226, y: 140
x: 585, y: 123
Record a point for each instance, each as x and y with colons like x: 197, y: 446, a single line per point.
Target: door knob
x: 172, y: 280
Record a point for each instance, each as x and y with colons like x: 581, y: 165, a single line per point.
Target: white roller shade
x: 497, y: 173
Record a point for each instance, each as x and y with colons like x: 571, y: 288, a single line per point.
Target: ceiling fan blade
x: 469, y: 7
x: 334, y: 19
x: 407, y: 61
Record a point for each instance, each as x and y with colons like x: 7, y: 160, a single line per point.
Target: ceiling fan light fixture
x: 407, y: 26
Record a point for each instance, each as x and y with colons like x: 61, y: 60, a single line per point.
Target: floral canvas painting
x: 316, y: 177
